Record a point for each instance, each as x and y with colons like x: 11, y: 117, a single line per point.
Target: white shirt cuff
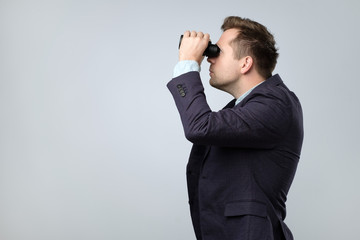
x: 185, y: 66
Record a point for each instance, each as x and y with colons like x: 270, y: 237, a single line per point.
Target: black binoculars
x: 212, y: 50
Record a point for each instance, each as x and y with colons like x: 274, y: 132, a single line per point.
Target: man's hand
x: 193, y: 46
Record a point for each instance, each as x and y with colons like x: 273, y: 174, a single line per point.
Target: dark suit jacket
x: 243, y: 160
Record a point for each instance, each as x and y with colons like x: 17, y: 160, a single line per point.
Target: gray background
x: 91, y: 144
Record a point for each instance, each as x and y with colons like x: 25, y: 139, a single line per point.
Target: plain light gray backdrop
x: 91, y: 144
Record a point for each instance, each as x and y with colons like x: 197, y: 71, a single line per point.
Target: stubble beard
x: 213, y: 82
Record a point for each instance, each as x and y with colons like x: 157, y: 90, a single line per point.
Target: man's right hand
x: 193, y: 46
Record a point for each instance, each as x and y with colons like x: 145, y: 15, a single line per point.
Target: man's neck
x: 246, y: 83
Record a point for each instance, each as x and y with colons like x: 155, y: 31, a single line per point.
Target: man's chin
x: 214, y: 84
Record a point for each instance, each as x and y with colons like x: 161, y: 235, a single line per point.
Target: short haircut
x: 253, y: 40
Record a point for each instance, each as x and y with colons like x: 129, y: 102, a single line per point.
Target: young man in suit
x: 244, y: 156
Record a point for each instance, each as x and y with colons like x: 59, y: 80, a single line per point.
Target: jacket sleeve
x: 260, y: 123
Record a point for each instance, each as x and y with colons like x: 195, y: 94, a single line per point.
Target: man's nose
x: 211, y: 60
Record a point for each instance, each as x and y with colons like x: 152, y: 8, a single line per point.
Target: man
x: 244, y: 157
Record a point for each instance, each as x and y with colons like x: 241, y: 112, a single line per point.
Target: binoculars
x: 212, y: 50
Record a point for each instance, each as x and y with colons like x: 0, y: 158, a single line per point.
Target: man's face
x: 225, y: 69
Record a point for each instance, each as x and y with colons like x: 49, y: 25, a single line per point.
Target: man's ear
x: 245, y: 64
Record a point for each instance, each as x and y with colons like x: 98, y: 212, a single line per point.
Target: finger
x: 193, y: 34
x: 200, y: 34
x: 187, y: 34
x: 207, y: 36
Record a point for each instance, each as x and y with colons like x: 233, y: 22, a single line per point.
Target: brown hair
x: 253, y: 40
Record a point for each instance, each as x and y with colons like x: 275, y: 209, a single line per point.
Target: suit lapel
x: 230, y: 104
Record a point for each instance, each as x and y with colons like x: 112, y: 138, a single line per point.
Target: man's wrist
x: 186, y: 66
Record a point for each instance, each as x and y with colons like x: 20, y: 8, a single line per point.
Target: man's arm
x: 260, y: 123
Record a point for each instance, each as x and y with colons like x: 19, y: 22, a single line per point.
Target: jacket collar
x: 268, y: 83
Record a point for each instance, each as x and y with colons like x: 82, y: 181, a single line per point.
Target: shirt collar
x: 246, y: 93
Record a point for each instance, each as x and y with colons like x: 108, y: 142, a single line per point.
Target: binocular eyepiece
x: 212, y: 50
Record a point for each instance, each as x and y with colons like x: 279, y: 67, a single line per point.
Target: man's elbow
x: 195, y: 136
